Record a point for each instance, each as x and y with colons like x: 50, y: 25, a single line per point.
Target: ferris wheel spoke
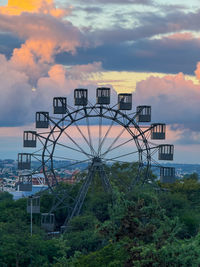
x: 100, y: 133
x: 41, y: 133
x: 81, y: 133
x: 89, y: 133
x: 76, y: 144
x: 120, y: 145
x: 39, y: 155
x: 41, y: 149
x: 41, y: 137
x: 91, y: 148
x: 69, y: 159
x: 106, y: 134
x: 72, y: 148
x: 76, y: 163
x: 124, y: 155
x: 115, y: 140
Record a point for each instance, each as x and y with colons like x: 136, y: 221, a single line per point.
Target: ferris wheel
x: 90, y: 137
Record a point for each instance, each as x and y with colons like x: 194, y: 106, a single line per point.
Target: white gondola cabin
x: 143, y: 114
x: 167, y: 175
x: 80, y: 97
x: 158, y: 131
x: 124, y: 101
x: 42, y: 119
x: 24, y: 161
x: 30, y: 139
x: 103, y: 96
x: 59, y: 105
x: 166, y: 152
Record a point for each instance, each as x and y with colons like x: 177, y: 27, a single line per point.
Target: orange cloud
x: 17, y: 7
x: 197, y: 71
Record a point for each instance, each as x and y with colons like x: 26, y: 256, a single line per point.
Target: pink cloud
x: 182, y: 36
x: 174, y: 101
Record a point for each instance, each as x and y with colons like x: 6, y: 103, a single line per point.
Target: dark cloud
x: 189, y: 137
x: 136, y: 49
x: 119, y: 2
x: 8, y: 42
x: 165, y: 55
x: 148, y: 25
x: 93, y: 9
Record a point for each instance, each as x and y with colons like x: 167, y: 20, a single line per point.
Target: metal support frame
x: 96, y: 167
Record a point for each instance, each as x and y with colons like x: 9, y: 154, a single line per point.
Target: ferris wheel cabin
x: 30, y: 138
x: 80, y: 97
x: 24, y: 161
x: 158, y: 131
x: 103, y: 96
x: 166, y: 152
x: 33, y: 204
x: 167, y: 175
x: 143, y: 114
x: 25, y: 182
x: 59, y: 105
x: 124, y: 101
x: 42, y: 119
x: 48, y: 221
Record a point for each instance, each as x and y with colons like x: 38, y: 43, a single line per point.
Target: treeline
x: 147, y: 226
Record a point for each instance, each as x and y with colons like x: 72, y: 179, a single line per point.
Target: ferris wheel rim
x: 98, y: 115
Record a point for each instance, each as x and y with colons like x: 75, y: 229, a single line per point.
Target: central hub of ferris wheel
x: 96, y: 162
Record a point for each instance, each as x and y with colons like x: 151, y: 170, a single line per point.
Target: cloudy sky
x: 148, y: 47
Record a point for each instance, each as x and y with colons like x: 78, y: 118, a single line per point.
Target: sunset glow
x: 17, y: 7
x: 49, y: 48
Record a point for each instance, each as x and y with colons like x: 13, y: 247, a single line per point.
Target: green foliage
x: 83, y: 236
x: 142, y: 227
x: 97, y: 203
x: 112, y: 255
x: 5, y: 196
